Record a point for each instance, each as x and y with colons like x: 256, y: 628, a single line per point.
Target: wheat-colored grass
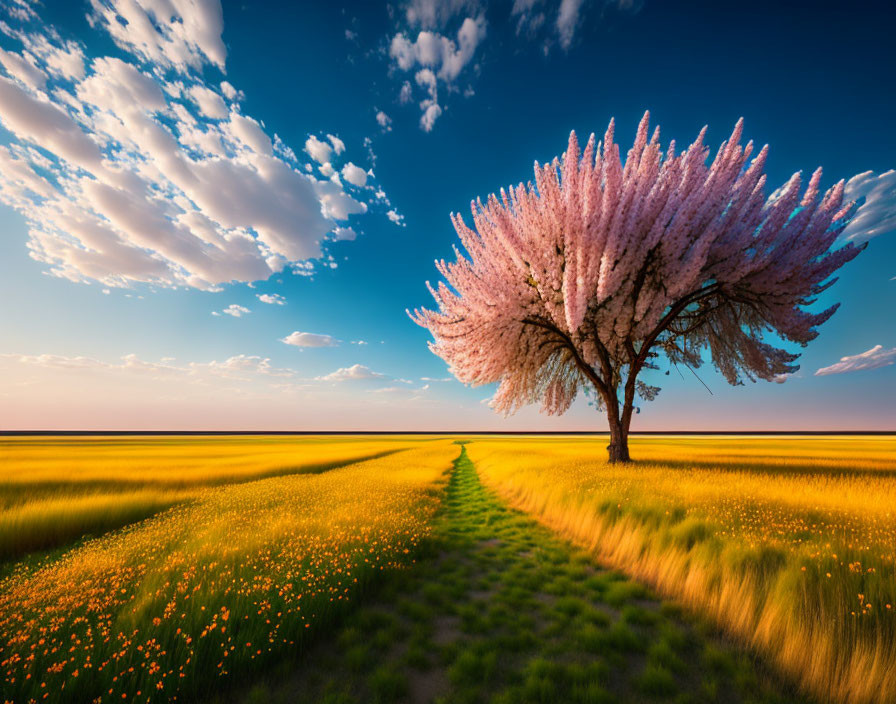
x: 205, y: 590
x: 54, y: 490
x: 787, y: 543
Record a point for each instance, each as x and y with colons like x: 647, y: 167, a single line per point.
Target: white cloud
x: 433, y: 50
x: 384, y: 121
x: 434, y: 14
x: 529, y: 20
x: 250, y: 133
x: 309, y: 339
x: 64, y: 60
x: 877, y: 215
x: 230, y: 92
x: 431, y: 112
x: 271, y: 299
x: 336, y: 203
x: 341, y: 234
x: 356, y: 372
x: 234, y: 392
x: 237, y: 366
x: 567, y: 21
x: 46, y: 125
x: 406, y: 94
x: 355, y: 175
x: 318, y: 150
x: 874, y: 358
x: 236, y: 311
x: 21, y: 9
x: 395, y: 217
x: 146, y: 174
x: 209, y: 102
x: 178, y: 34
x: 338, y: 144
x: 23, y: 68
x: 425, y: 78
x: 439, y: 59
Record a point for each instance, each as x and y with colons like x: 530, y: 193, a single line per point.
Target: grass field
x: 234, y: 576
x: 386, y: 569
x: 788, y: 544
x: 56, y: 489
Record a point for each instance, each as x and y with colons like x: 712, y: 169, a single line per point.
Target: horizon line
x: 22, y: 433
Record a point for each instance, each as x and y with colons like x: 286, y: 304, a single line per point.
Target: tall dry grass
x: 788, y: 544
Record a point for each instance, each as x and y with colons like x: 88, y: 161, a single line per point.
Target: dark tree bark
x: 618, y: 448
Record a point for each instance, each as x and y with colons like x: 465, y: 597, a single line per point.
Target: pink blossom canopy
x: 600, y: 264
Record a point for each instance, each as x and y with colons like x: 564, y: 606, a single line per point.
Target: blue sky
x: 430, y: 103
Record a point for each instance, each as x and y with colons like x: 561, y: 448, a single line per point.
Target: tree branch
x: 666, y: 320
x: 583, y: 366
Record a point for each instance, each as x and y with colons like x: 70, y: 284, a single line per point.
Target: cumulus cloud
x: 356, y: 372
x: 230, y: 92
x: 237, y: 311
x: 877, y: 216
x: 140, y: 170
x: 355, y: 175
x: 875, y: 358
x: 435, y: 14
x: 21, y: 66
x: 435, y: 51
x: 176, y: 34
x: 274, y: 299
x: 21, y: 9
x: 395, y: 217
x: 431, y: 113
x: 338, y: 144
x: 433, y: 36
x: 209, y: 102
x: 309, y: 339
x: 318, y: 150
x: 435, y: 58
x: 384, y: 121
x: 250, y: 133
x: 341, y: 234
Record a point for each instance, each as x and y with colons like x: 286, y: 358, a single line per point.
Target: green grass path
x: 503, y: 611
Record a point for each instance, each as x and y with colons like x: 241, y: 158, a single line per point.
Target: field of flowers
x: 788, y: 544
x: 235, y: 575
x: 55, y: 489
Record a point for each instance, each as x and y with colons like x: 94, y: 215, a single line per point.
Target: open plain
x: 455, y: 569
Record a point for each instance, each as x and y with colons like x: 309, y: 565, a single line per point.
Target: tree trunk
x: 618, y: 447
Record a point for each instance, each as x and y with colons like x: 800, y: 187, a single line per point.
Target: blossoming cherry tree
x: 584, y: 278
